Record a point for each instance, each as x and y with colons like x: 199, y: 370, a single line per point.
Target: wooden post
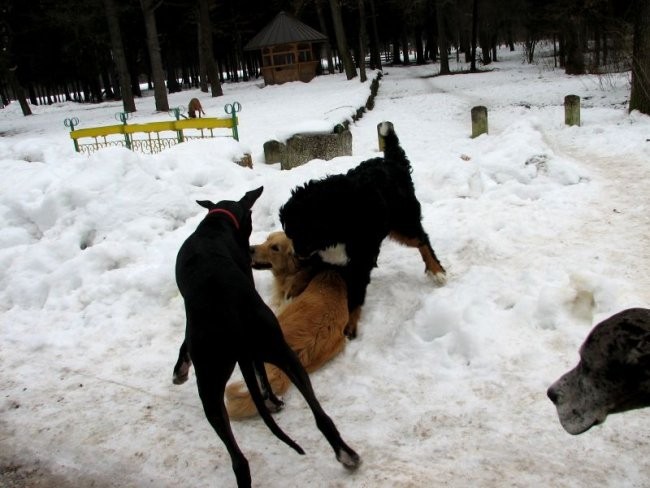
x: 380, y: 137
x: 572, y: 110
x: 479, y: 121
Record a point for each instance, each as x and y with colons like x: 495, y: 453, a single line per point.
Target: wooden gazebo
x: 288, y: 51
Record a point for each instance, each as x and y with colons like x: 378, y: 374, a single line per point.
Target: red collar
x: 228, y: 213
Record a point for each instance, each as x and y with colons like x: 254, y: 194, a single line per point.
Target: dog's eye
x: 275, y: 248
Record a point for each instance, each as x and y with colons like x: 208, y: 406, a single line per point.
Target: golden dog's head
x: 276, y: 254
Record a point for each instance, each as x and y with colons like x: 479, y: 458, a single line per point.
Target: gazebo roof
x: 284, y: 29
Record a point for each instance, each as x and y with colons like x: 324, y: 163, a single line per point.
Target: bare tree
x: 474, y: 35
x: 324, y: 29
x: 375, y: 56
x: 158, y: 74
x: 574, y: 63
x: 341, y: 40
x: 7, y: 64
x: 640, y: 95
x: 442, y: 37
x: 205, y: 41
x: 117, y: 47
x: 362, y: 41
x: 19, y: 91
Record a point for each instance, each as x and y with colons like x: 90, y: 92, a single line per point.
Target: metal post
x: 123, y: 117
x: 72, y: 122
x: 176, y: 112
x: 232, y: 109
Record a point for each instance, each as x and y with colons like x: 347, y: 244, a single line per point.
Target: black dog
x: 344, y: 218
x: 228, y: 323
x: 613, y: 374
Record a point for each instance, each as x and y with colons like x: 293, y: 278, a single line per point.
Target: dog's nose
x: 553, y: 395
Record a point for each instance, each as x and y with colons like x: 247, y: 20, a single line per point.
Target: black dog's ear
x: 251, y: 197
x: 206, y: 203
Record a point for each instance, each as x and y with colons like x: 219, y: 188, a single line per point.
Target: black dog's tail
x: 392, y: 149
x: 251, y: 382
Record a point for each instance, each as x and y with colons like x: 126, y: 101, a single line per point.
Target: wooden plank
x: 150, y: 127
x: 205, y: 123
x: 97, y: 131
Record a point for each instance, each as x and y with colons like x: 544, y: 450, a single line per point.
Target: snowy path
x: 621, y: 211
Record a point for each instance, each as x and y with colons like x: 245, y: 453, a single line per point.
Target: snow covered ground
x: 543, y: 229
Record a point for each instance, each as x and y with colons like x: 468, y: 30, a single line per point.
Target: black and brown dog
x: 612, y: 376
x: 228, y: 323
x: 344, y: 218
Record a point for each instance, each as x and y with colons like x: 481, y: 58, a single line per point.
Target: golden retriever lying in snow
x: 312, y: 308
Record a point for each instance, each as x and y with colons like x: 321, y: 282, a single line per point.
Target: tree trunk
x: 362, y: 41
x: 484, y: 41
x: 19, y: 91
x: 206, y: 48
x: 324, y: 30
x: 239, y: 45
x: 419, y: 48
x: 431, y: 48
x: 173, y: 86
x: 108, y: 87
x: 405, y: 48
x: 341, y: 41
x: 133, y: 75
x: 203, y: 72
x: 640, y: 96
x: 119, y: 58
x: 397, y: 59
x: 4, y: 96
x: 158, y: 74
x: 510, y: 41
x: 442, y: 37
x: 95, y: 89
x: 597, y: 47
x: 474, y: 35
x: 375, y: 56
x: 575, y: 59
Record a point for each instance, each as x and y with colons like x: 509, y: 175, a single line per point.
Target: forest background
x: 94, y: 50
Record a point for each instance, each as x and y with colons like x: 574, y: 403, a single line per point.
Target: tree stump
x: 246, y: 161
x: 274, y: 152
x: 572, y: 110
x: 479, y: 121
